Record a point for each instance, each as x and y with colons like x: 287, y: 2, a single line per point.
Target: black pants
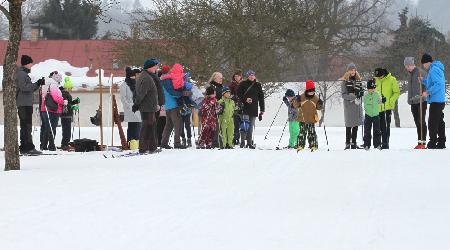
x: 148, y: 139
x: 133, y: 131
x: 26, y: 127
x: 415, y: 110
x: 49, y: 130
x: 160, y: 128
x: 351, y: 134
x: 385, y: 126
x: 237, y: 125
x: 369, y: 123
x: 186, y: 124
x: 436, y: 126
x: 66, y: 125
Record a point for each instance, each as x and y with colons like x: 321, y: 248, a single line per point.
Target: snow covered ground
x: 231, y: 199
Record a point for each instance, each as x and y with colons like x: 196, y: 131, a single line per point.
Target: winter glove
x: 319, y: 102
x: 285, y: 99
x: 135, y: 108
x: 75, y: 108
x: 297, y: 98
x: 415, y: 99
x: 360, y: 94
x: 260, y: 116
x: 76, y: 101
x: 358, y: 101
x: 41, y: 82
x: 383, y: 99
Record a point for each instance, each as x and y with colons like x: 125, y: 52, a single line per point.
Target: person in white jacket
x: 127, y: 89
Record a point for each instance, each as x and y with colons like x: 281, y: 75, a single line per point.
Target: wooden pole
x: 112, y: 111
x: 101, y: 107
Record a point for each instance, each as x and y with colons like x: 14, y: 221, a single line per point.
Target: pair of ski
x: 43, y: 154
x: 130, y: 154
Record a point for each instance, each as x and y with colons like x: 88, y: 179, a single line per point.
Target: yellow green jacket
x: 390, y: 89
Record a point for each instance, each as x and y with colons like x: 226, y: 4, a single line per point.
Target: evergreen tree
x: 69, y: 19
x: 414, y: 37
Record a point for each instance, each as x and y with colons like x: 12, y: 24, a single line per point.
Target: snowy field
x: 231, y: 199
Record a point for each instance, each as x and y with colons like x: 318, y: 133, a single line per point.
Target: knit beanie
x: 225, y: 90
x: 426, y: 58
x: 351, y: 66
x: 380, y: 72
x: 128, y: 72
x: 289, y: 93
x: 409, y: 61
x: 371, y: 84
x: 68, y: 84
x: 250, y: 73
x: 165, y: 69
x: 26, y: 60
x: 150, y: 63
x: 210, y: 90
x: 310, y: 85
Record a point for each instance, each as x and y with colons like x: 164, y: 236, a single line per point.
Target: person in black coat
x: 251, y: 96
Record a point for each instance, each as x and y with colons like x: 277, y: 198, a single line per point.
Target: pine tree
x: 69, y: 19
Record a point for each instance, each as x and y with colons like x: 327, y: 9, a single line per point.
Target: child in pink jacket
x: 50, y: 115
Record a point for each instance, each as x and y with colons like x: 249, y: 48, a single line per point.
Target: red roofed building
x: 93, y: 54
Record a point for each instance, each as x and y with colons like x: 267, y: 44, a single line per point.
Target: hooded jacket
x: 435, y: 83
x: 177, y: 76
x: 388, y: 87
x: 414, y: 88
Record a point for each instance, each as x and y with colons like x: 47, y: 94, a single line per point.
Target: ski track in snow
x: 231, y: 199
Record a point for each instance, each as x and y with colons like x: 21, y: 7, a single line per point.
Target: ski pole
x: 324, y: 127
x: 79, y: 128
x: 282, y: 133
x: 279, y: 108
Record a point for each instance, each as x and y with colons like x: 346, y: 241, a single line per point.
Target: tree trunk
x: 12, y: 161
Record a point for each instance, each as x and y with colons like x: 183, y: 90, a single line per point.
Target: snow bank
x: 78, y: 75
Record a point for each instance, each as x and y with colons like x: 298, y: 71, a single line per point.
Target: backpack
x: 49, y: 101
x: 85, y: 145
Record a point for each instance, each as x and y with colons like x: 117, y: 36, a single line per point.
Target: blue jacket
x: 435, y: 83
x: 170, y: 100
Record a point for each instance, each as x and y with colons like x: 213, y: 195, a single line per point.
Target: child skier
x: 209, y: 110
x: 226, y: 121
x: 294, y: 126
x: 307, y: 104
x: 69, y: 108
x: 372, y: 101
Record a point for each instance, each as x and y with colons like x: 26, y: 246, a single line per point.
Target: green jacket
x: 371, y: 104
x: 390, y: 89
x: 227, y: 114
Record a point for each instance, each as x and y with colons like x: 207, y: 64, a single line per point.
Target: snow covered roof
x: 90, y: 54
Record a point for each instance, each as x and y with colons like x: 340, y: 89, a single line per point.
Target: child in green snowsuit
x: 372, y: 102
x: 226, y: 121
x: 294, y: 126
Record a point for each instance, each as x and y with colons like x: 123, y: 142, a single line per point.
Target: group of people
x: 55, y: 103
x: 166, y: 97
x: 424, y: 89
x: 158, y: 103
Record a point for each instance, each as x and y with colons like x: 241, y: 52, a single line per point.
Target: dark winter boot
x: 355, y: 146
x: 347, y: 146
x: 189, y: 143
x: 183, y: 142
